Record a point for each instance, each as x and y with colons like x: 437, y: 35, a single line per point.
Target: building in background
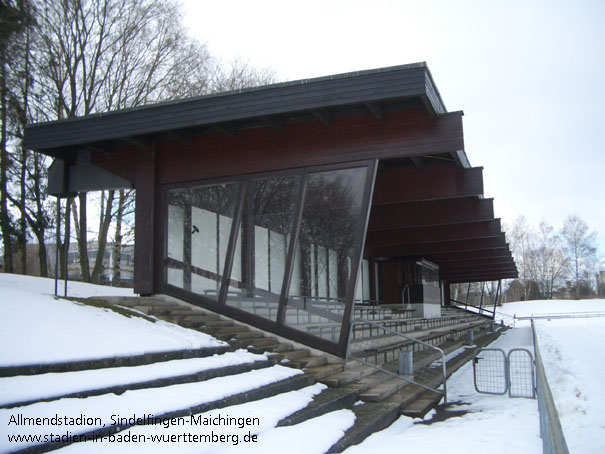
x: 73, y: 262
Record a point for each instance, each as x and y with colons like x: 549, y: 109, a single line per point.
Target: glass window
x: 262, y: 245
x: 199, y: 224
x: 327, y: 242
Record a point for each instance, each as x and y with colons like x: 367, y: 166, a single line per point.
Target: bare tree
x: 81, y: 57
x: 238, y: 75
x: 110, y: 54
x: 540, y: 258
x: 580, y: 245
x: 548, y: 259
x: 13, y: 20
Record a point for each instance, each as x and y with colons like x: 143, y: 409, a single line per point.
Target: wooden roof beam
x: 430, y: 213
x: 418, y: 162
x: 461, y: 231
x: 408, y: 184
x: 225, y: 128
x: 454, y: 256
x: 480, y: 278
x: 276, y: 123
x: 375, y: 109
x: 471, y: 262
x: 322, y: 115
x: 482, y: 268
x: 441, y: 247
x: 138, y: 142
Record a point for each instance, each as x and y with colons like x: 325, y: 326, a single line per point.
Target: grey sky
x: 529, y: 76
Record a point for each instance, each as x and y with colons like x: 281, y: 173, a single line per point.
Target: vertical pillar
x: 406, y: 363
x: 144, y: 244
x: 447, y: 295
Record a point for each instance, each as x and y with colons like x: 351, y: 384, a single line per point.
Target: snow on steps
x: 117, y: 361
x: 386, y: 397
x: 172, y: 400
x: 410, y: 400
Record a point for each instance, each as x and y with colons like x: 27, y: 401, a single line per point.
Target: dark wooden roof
x: 315, y: 96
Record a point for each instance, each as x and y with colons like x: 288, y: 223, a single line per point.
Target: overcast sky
x: 529, y: 76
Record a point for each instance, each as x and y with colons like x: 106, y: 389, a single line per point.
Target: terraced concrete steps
x: 369, y: 418
x: 119, y: 361
x: 289, y: 384
x: 202, y: 375
x: 328, y: 400
x: 385, y: 396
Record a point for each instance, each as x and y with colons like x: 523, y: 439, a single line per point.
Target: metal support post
x: 406, y: 363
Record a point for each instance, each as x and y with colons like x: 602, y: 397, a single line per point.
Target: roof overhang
x: 437, y: 212
x: 316, y: 99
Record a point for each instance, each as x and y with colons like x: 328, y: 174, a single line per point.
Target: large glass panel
x: 324, y: 253
x: 262, y: 245
x: 199, y: 224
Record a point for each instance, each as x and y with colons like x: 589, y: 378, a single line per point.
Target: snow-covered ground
x: 35, y: 328
x: 574, y: 359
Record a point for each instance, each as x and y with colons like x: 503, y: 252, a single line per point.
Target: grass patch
x: 102, y: 304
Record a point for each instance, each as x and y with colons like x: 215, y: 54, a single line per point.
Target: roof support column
x: 145, y: 221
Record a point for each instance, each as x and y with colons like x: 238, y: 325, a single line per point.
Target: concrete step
x: 371, y: 381
x: 262, y: 342
x: 230, y: 331
x: 349, y: 375
x: 119, y: 361
x: 219, y: 323
x: 273, y: 389
x: 369, y: 418
x: 309, y: 361
x: 421, y: 406
x: 321, y: 372
x: 330, y: 399
x: 158, y: 383
x: 282, y: 347
x: 383, y: 390
x: 295, y: 354
x: 243, y: 335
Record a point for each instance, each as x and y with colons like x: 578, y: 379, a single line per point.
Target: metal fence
x: 434, y: 372
x: 496, y: 372
x: 559, y: 315
x: 553, y: 440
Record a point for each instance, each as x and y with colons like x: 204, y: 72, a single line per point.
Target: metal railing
x: 411, y: 340
x: 553, y: 440
x: 559, y: 315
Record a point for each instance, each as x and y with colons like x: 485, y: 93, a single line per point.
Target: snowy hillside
x: 37, y: 328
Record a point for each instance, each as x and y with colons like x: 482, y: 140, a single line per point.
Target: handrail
x: 480, y: 309
x: 553, y: 439
x: 556, y: 315
x: 411, y: 339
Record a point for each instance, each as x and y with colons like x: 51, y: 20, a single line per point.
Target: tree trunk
x: 117, y: 249
x: 81, y: 236
x: 102, y: 241
x: 42, y: 255
x: 5, y: 224
x: 23, y: 220
x: 64, y: 249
